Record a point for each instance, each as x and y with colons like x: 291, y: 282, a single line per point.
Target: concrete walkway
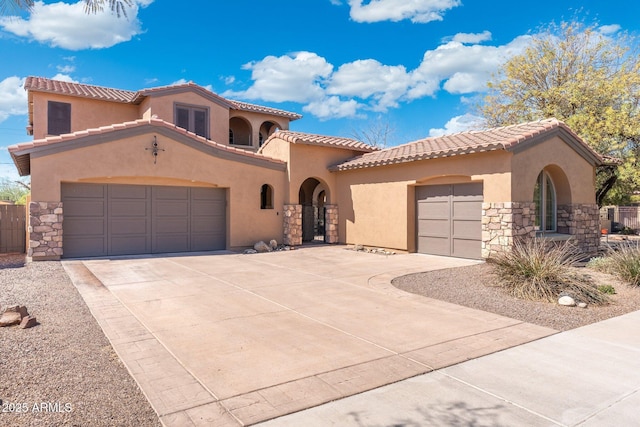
x: 227, y: 339
x: 588, y: 376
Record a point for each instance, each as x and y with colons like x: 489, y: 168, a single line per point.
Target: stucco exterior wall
x: 162, y: 106
x: 85, y: 113
x: 127, y: 161
x: 573, y: 176
x: 377, y: 205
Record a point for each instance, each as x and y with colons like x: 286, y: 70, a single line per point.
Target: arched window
x: 266, y: 197
x: 544, y: 196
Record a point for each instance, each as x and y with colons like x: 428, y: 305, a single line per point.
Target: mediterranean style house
x: 181, y: 169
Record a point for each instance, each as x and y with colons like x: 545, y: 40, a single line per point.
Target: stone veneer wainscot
x: 45, y: 230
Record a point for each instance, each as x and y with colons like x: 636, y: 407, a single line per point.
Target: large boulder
x: 13, y: 315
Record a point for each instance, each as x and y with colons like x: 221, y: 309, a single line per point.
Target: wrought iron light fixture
x: 154, y: 149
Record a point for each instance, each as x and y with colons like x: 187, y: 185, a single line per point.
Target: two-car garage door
x: 105, y: 219
x: 450, y: 220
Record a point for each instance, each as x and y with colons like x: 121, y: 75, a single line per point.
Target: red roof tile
x: 322, y: 140
x: 41, y: 84
x: 502, y: 138
x: 21, y: 152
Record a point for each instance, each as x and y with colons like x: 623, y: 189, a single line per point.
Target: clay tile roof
x: 41, y: 84
x: 501, y: 138
x: 322, y: 140
x: 245, y: 106
x: 21, y: 152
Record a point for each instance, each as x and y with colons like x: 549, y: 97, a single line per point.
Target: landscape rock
x: 10, y: 318
x: 28, y: 322
x: 262, y: 247
x: 250, y: 251
x: 567, y: 301
x: 273, y: 244
x: 358, y: 248
x: 582, y: 305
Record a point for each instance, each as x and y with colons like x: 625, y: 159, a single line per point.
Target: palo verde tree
x: 588, y: 79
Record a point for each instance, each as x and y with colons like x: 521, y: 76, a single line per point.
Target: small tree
x: 14, y: 191
x: 90, y: 6
x: 377, y: 133
x: 587, y: 79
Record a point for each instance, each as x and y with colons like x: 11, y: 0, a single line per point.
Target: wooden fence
x: 13, y: 233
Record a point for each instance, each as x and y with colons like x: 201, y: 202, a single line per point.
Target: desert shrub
x: 624, y: 262
x: 537, y: 270
x: 600, y: 263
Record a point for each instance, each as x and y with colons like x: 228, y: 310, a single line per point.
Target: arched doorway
x: 313, y: 198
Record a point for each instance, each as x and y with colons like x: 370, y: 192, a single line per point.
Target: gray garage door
x: 450, y: 220
x: 102, y: 220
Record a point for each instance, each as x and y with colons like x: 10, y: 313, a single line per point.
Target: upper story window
x: 58, y: 118
x: 193, y: 119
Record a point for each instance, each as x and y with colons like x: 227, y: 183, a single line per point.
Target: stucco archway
x: 312, y: 196
x: 239, y: 132
x: 266, y: 130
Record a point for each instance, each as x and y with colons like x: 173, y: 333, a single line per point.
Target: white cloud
x: 473, y: 38
x: 370, y: 79
x: 66, y: 68
x: 13, y: 97
x: 459, y: 124
x: 609, y: 29
x: 296, y: 78
x: 368, y: 85
x: 332, y: 108
x: 69, y: 27
x: 64, y: 78
x: 418, y: 11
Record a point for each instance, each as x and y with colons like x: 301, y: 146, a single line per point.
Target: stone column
x: 504, y: 222
x: 582, y: 222
x: 331, y: 224
x: 45, y: 231
x: 292, y: 217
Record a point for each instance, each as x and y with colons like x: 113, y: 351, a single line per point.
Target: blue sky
x: 343, y: 64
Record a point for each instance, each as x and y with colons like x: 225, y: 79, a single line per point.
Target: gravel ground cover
x: 476, y: 287
x: 62, y: 372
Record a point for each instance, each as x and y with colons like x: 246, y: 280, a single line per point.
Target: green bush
x: 607, y: 289
x: 538, y: 270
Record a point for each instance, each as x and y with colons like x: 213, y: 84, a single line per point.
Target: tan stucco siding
x: 127, y: 161
x: 573, y: 176
x: 377, y: 205
x: 312, y: 161
x: 85, y: 113
x: 164, y: 108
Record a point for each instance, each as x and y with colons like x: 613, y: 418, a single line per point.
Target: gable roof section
x: 41, y: 84
x: 513, y: 138
x: 321, y: 140
x: 21, y: 153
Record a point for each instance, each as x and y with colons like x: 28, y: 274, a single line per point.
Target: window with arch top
x: 544, y: 196
x: 266, y: 197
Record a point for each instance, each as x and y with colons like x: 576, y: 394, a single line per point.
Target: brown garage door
x: 101, y: 220
x: 450, y: 220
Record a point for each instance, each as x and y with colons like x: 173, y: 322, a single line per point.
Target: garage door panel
x: 128, y: 192
x: 434, y: 245
x: 449, y: 219
x: 434, y: 227
x: 466, y: 230
x: 466, y: 248
x: 171, y: 193
x: 103, y: 220
x: 84, y: 227
x: 433, y: 209
x: 84, y: 208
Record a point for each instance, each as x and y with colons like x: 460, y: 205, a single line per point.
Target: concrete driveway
x: 229, y: 339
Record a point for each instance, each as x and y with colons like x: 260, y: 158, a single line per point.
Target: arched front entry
x: 312, y: 197
x: 314, y: 218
